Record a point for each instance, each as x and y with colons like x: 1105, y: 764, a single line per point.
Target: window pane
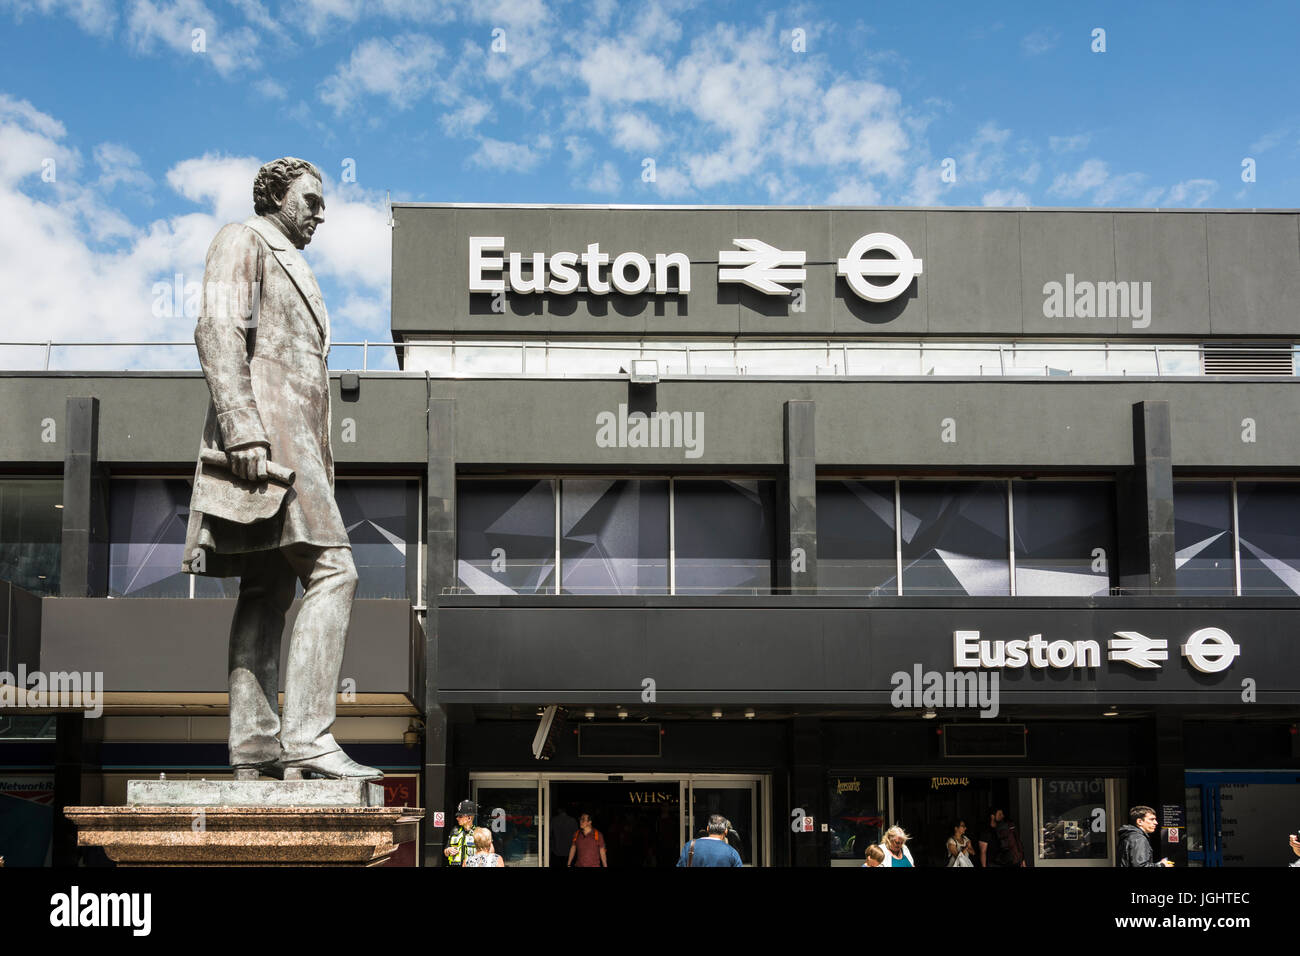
x: 1203, y: 537
x: 147, y: 519
x: 1065, y: 537
x: 382, y: 521
x: 614, y: 537
x: 724, y: 537
x: 955, y: 538
x: 31, y: 532
x: 1074, y: 819
x: 855, y: 537
x: 1268, y: 521
x: 857, y: 821
x: 511, y: 814
x: 959, y: 359
x: 505, y: 533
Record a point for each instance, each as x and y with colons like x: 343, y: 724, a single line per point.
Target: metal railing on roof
x: 464, y: 358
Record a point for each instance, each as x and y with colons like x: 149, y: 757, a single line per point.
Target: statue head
x: 288, y: 191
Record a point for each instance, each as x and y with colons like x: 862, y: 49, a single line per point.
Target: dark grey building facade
x: 821, y: 518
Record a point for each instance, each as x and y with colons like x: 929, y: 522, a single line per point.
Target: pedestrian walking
x: 484, y: 852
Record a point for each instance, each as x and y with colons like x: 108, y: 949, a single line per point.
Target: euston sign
x: 1208, y: 650
x: 755, y: 264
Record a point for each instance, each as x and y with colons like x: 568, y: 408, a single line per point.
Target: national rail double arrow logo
x: 764, y: 267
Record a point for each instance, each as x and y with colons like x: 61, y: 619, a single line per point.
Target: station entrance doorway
x: 645, y: 818
x: 928, y: 808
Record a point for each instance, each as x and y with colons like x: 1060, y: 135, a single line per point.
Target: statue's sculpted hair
x: 274, y: 178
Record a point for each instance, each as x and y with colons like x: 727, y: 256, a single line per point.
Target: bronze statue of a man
x: 263, y: 337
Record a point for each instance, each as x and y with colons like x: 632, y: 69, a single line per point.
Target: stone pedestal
x: 247, y: 823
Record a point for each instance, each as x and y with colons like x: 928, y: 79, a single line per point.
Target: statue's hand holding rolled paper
x: 220, y: 492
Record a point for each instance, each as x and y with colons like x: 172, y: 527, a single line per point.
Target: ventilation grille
x: 1248, y: 360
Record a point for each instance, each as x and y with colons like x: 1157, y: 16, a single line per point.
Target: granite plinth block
x: 245, y: 836
x: 253, y: 793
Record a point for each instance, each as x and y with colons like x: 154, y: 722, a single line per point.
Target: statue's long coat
x: 269, y: 383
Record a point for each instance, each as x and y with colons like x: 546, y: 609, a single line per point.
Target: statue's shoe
x: 335, y: 766
x: 252, y: 771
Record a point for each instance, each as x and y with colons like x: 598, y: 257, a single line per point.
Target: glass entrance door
x: 737, y: 800
x: 511, y: 809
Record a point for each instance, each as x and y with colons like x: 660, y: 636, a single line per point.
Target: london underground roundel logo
x: 1211, y: 650
x: 902, y: 267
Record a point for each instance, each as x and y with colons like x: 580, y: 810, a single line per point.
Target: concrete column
x: 807, y: 792
x: 439, y: 575
x: 1146, y: 506
x: 1171, y: 778
x: 83, y: 568
x: 796, y: 559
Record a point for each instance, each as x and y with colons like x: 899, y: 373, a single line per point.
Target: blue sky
x: 154, y: 142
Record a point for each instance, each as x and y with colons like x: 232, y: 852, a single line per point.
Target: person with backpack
x: 713, y: 849
x: 1000, y: 843
x: 588, y: 846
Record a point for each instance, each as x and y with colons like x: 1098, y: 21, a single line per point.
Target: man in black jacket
x: 1134, y: 839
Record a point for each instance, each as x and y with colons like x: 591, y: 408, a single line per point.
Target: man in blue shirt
x: 711, y: 850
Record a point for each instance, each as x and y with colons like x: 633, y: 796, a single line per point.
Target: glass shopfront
x: 1075, y: 821
x: 645, y: 818
x: 1069, y: 821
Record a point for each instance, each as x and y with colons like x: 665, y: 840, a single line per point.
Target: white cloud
x: 119, y: 164
x: 1068, y: 144
x: 463, y: 121
x: 75, y: 269
x: 504, y: 156
x: 271, y: 89
x: 1191, y: 192
x: 96, y: 17
x: 400, y: 69
x: 1005, y: 197
x: 1039, y: 42
x: 670, y: 183
x: 854, y: 192
x: 322, y: 16
x: 603, y: 178
x: 171, y: 26
x: 1269, y: 140
x: 579, y: 150
x: 635, y: 132
x: 1091, y: 174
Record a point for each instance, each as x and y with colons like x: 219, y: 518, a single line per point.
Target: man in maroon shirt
x: 588, y: 847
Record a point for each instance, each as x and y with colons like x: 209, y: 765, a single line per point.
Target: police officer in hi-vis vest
x: 460, y: 842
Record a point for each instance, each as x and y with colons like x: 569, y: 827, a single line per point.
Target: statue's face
x: 302, y: 209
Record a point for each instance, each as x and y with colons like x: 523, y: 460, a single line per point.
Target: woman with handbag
x: 960, y: 848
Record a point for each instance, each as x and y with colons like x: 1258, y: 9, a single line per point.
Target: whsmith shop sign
x: 672, y: 271
x: 1059, y: 651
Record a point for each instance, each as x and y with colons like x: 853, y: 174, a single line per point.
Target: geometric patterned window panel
x: 724, y: 536
x: 1203, y: 560
x: 1065, y: 537
x: 31, y: 533
x: 855, y: 538
x: 146, y: 532
x: 1268, y: 521
x: 148, y: 516
x: 954, y: 537
x: 382, y: 518
x: 614, y: 536
x: 505, y: 536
